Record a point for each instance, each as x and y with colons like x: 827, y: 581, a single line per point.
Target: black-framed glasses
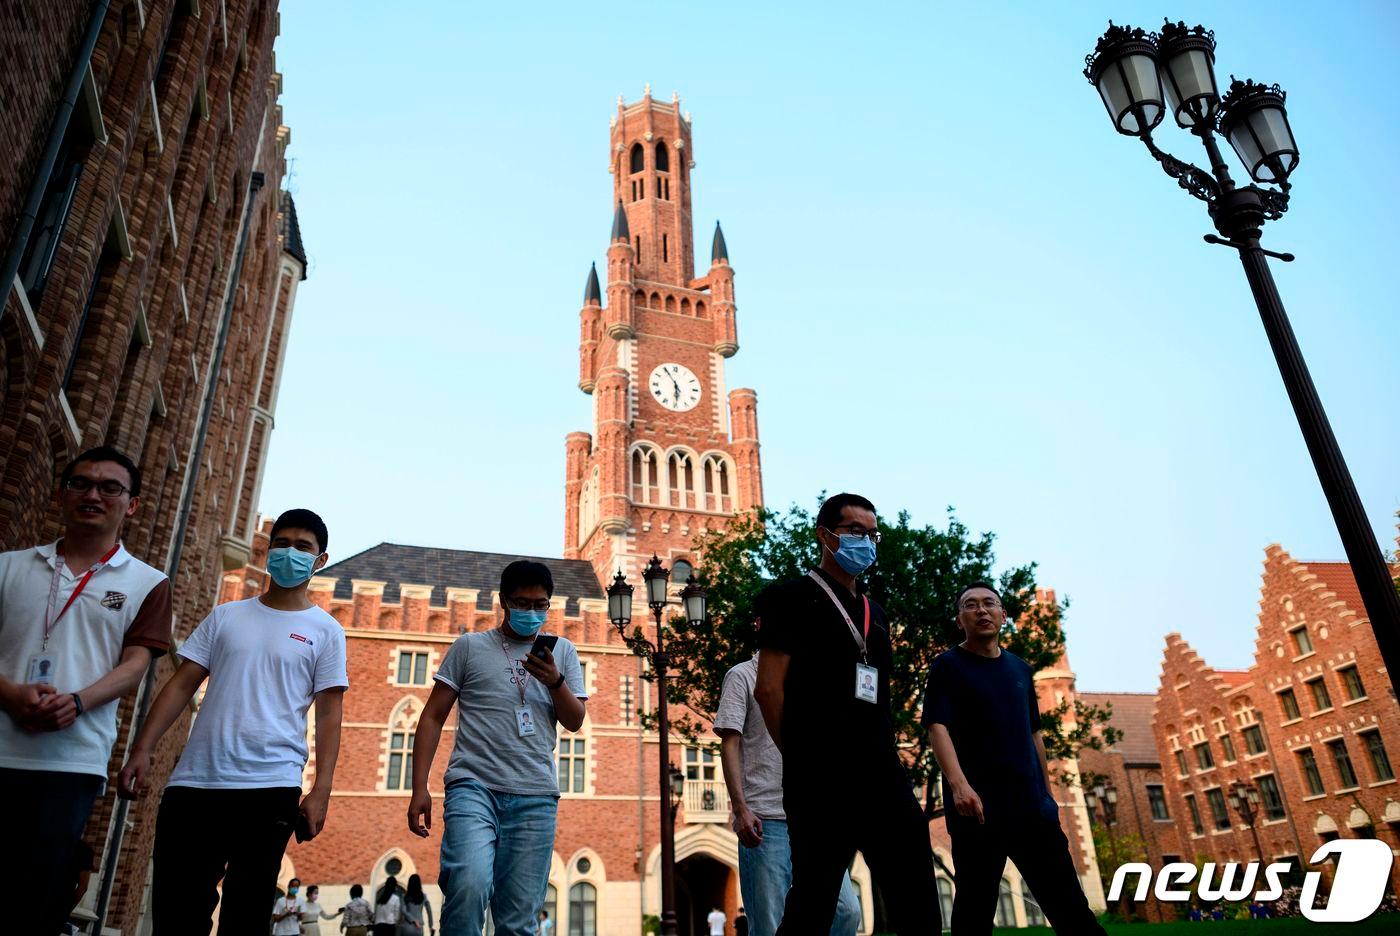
x: 855, y: 529
x: 524, y: 604
x: 972, y: 604
x: 107, y: 488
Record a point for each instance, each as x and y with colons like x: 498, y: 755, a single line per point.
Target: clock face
x: 675, y: 387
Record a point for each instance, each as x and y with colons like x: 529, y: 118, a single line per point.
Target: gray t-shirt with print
x: 485, y: 669
x: 763, y: 764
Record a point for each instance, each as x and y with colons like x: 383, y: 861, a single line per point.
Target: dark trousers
x: 204, y: 836
x: 45, y: 811
x: 884, y: 823
x: 1040, y: 852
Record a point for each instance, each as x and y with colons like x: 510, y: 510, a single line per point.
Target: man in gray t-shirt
x: 501, y: 800
x: 753, y: 772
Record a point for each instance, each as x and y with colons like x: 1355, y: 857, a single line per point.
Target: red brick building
x: 1311, y: 726
x: 151, y: 267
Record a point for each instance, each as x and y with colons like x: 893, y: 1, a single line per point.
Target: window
x: 639, y: 248
x: 588, y: 507
x: 945, y: 899
x: 1157, y: 797
x: 638, y: 158
x: 665, y: 254
x: 551, y: 903
x: 644, y: 476
x: 1254, y: 739
x: 1218, y: 810
x: 1289, y: 701
x: 1302, y: 643
x: 1034, y: 916
x: 1380, y: 761
x: 400, y: 772
x: 106, y: 261
x: 583, y: 910
x: 1204, y: 759
x: 680, y: 480
x: 54, y: 207
x: 413, y: 668
x: 1351, y: 679
x: 1228, y: 748
x: 1312, y: 777
x: 1181, y: 767
x: 663, y: 157
x: 1345, y: 772
x: 1273, y: 800
x: 572, y: 758
x: 627, y: 699
x: 700, y: 765
x: 1006, y: 905
x: 717, y: 496
x: 583, y: 676
x: 1322, y: 701
x: 1195, y: 811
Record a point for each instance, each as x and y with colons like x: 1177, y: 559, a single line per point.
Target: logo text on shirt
x: 113, y: 600
x: 306, y: 640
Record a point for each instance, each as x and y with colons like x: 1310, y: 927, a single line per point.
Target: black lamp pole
x: 620, y: 613
x: 1131, y: 69
x: 1244, y: 797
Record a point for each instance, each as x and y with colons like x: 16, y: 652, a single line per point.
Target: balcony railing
x: 706, y: 801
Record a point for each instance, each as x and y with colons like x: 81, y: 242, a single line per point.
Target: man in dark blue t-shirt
x: 984, y: 725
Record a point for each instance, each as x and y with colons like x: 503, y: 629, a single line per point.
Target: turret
x: 618, y: 316
x: 590, y: 329
x: 577, y: 447
x: 722, y: 309
x: 743, y: 432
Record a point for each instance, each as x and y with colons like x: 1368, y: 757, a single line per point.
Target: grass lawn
x: 1381, y: 923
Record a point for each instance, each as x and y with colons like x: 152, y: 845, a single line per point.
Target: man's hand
x: 23, y: 700
x: 748, y: 827
x: 314, y: 807
x: 542, y: 668
x: 54, y: 713
x: 131, y: 782
x: 968, y: 803
x: 420, y: 813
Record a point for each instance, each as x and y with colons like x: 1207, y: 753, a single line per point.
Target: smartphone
x: 303, y: 828
x: 542, y: 643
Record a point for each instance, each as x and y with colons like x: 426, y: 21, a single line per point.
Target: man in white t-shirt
x: 286, y: 912
x: 502, y: 794
x: 231, y: 803
x: 80, y: 621
x: 716, y: 919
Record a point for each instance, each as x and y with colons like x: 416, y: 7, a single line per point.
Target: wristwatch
x: 78, y: 702
x: 558, y: 683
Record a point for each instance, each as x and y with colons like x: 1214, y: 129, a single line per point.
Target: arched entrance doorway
x: 702, y: 883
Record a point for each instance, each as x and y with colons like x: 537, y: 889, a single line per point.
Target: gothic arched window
x: 645, y: 480
x: 583, y: 910
x: 588, y: 507
x: 717, y: 490
x: 680, y: 480
x: 663, y: 157
x: 398, y: 773
x: 638, y: 158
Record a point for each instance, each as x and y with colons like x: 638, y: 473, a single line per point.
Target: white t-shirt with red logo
x: 265, y: 668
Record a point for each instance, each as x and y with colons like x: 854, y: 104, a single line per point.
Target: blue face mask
x: 290, y: 567
x: 292, y: 891
x: 855, y: 554
x: 527, y: 623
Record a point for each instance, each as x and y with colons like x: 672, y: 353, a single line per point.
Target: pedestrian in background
x: 502, y: 794
x: 81, y: 619
x: 819, y: 637
x: 235, y: 796
x: 415, y: 907
x: 388, y: 908
x: 357, y: 916
x: 287, y: 910
x: 312, y: 914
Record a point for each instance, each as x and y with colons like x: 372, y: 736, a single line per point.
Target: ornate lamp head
x: 1123, y: 66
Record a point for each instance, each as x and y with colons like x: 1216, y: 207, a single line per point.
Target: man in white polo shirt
x: 80, y: 620
x: 234, y: 798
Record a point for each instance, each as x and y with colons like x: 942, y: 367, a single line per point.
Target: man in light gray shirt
x: 502, y: 798
x: 753, y: 772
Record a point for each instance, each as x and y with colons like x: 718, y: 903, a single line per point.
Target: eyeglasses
x: 972, y: 604
x: 107, y: 488
x: 855, y: 529
x: 522, y: 604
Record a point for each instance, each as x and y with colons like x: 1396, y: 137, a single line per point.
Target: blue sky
x: 957, y: 285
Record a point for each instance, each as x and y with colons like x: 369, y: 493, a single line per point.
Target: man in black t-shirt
x: 984, y: 725
x: 824, y: 690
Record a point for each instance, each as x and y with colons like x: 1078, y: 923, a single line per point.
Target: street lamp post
x: 672, y: 783
x: 1105, y: 794
x: 1245, y: 798
x: 1141, y: 76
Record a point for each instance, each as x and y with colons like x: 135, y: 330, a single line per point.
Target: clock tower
x: 672, y: 453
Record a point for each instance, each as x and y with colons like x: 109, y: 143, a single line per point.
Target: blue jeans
x: 765, y: 874
x: 496, y: 849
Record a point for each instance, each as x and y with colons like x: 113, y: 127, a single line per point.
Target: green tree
x: 916, y: 580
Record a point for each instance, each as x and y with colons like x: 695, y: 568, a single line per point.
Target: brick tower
x: 671, y: 454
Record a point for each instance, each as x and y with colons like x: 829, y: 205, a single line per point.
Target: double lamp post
x: 1141, y: 76
x: 672, y: 781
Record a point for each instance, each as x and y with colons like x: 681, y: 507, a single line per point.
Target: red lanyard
x: 50, y: 622
x: 858, y: 635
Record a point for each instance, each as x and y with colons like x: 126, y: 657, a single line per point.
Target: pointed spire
x: 592, y: 295
x: 718, y: 249
x: 620, y: 230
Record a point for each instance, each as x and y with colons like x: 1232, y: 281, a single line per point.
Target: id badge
x: 867, y: 689
x: 524, y: 722
x: 43, y: 668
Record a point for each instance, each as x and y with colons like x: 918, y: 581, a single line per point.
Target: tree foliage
x: 916, y: 580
